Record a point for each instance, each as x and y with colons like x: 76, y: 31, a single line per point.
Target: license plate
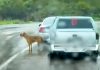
x: 74, y: 54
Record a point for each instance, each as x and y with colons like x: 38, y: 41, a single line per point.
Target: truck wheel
x: 94, y: 59
x: 51, y: 58
x: 94, y: 56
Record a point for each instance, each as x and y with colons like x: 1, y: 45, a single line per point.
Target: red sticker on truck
x: 74, y: 22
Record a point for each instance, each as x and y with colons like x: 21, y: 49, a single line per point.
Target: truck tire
x: 51, y: 56
x: 94, y: 56
x: 94, y: 59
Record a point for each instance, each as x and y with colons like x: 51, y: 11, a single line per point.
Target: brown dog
x: 31, y: 39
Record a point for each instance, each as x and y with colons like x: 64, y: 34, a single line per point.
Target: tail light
x: 42, y: 29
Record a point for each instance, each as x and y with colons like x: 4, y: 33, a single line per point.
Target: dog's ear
x: 24, y: 33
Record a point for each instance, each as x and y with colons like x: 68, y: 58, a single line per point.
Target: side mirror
x: 39, y: 24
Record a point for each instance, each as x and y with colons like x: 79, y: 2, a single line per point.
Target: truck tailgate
x: 75, y: 38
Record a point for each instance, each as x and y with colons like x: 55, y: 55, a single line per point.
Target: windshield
x: 74, y: 23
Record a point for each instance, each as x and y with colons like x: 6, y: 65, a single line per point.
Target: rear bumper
x: 72, y: 49
x: 73, y: 55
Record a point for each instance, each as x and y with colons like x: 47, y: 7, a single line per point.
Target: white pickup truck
x: 73, y: 37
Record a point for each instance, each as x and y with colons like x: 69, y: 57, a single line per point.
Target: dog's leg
x: 31, y: 47
x: 38, y: 47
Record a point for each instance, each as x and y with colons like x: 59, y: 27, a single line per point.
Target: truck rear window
x: 74, y: 23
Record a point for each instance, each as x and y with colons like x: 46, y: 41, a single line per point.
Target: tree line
x: 36, y: 10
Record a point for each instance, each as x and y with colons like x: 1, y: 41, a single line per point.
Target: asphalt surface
x: 10, y: 40
x: 11, y: 43
x: 38, y: 61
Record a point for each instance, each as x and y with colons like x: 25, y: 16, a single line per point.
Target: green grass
x: 96, y: 18
x: 3, y: 22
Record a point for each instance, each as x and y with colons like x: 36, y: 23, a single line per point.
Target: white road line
x: 8, y: 32
x: 17, y: 31
x: 9, y: 37
x: 13, y: 57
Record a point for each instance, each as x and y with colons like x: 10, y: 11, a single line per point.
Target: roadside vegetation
x: 16, y: 11
x: 10, y: 22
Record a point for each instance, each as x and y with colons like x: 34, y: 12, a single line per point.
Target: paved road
x: 11, y: 40
x: 38, y: 61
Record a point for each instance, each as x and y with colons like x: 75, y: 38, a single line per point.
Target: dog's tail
x: 46, y: 42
